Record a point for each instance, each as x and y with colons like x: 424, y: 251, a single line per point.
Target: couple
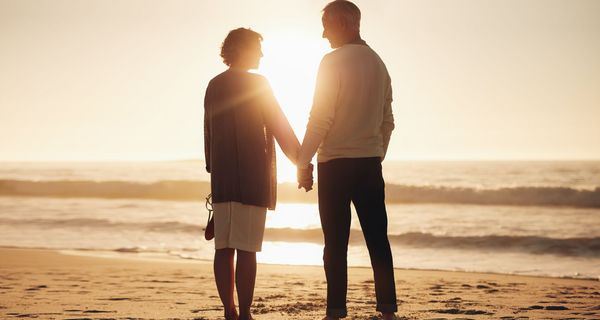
x: 350, y: 124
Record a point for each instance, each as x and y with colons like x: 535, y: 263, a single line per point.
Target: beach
x: 472, y: 240
x: 113, y: 119
x: 50, y: 284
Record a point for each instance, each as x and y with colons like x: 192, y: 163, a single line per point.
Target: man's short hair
x: 237, y: 40
x: 343, y: 11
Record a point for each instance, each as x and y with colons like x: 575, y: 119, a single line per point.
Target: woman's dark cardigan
x: 241, y: 117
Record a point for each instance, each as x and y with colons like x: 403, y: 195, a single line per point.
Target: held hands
x: 305, y: 177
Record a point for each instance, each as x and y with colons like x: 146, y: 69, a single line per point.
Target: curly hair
x: 235, y: 41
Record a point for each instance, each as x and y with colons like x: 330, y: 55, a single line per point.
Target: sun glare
x: 294, y: 215
x: 290, y: 64
x: 291, y: 253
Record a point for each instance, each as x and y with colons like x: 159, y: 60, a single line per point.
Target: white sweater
x: 351, y: 115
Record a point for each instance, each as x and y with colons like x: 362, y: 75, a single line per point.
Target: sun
x: 290, y: 63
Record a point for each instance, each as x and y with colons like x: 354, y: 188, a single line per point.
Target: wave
x: 93, y: 223
x: 197, y: 190
x: 160, y: 190
x: 589, y: 247
x: 519, y: 196
x: 583, y: 247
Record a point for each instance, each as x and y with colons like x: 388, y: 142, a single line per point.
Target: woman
x: 241, y: 120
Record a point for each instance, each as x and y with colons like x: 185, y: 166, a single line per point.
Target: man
x: 350, y: 124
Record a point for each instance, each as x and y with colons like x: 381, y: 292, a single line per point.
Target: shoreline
x: 174, y: 258
x: 166, y: 257
x: 49, y: 284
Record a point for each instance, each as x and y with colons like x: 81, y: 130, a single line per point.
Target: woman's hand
x: 305, y: 177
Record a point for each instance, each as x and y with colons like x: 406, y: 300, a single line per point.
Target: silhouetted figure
x: 241, y: 120
x: 351, y: 123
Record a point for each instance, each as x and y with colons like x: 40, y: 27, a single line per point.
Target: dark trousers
x: 360, y: 181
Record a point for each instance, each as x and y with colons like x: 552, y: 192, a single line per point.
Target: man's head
x: 341, y: 22
x: 241, y: 48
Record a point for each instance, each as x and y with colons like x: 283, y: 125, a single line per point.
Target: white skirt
x: 239, y: 226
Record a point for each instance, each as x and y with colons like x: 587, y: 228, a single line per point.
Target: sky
x: 104, y: 80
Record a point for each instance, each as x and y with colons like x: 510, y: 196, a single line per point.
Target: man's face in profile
x: 332, y: 31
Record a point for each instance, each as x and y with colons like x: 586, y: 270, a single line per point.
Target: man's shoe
x: 389, y: 316
x: 233, y: 315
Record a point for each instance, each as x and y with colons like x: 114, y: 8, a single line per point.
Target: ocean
x: 514, y: 217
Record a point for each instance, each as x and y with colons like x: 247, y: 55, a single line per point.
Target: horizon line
x: 386, y: 160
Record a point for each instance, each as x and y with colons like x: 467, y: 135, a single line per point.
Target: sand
x: 48, y: 284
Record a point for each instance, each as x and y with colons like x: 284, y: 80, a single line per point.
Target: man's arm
x: 387, y: 126
x: 322, y: 112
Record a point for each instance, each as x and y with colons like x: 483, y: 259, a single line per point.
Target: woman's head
x: 241, y: 48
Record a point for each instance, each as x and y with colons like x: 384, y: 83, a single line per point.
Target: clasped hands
x: 305, y: 177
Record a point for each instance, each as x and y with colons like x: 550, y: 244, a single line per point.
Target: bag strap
x: 208, y: 205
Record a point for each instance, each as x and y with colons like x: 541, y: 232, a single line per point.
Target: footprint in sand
x: 42, y: 286
x: 117, y: 299
x: 98, y: 311
x: 458, y: 311
x: 535, y: 307
x: 18, y: 315
x: 556, y: 308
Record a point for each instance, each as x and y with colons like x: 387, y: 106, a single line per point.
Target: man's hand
x: 305, y: 178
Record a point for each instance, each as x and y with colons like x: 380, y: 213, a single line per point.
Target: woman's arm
x: 207, y: 130
x: 278, y: 124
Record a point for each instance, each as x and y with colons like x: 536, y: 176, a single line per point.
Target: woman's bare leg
x: 245, y: 276
x: 223, y: 269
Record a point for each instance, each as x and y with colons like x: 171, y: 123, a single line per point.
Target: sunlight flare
x: 291, y: 253
x: 294, y: 215
x: 290, y: 64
